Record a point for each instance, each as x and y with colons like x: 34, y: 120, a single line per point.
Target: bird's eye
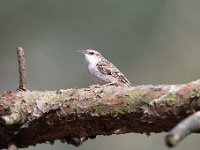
x: 91, y: 53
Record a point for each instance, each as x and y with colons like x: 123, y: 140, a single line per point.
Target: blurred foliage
x: 151, y: 42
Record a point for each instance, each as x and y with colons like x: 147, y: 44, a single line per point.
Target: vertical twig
x: 22, y: 68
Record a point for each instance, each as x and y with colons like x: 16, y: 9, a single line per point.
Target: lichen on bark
x: 41, y: 116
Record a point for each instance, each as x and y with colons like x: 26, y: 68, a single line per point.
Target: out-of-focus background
x: 150, y: 41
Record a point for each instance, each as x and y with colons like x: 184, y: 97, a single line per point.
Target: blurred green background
x: 150, y: 41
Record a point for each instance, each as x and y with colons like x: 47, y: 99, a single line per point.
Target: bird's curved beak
x: 81, y: 51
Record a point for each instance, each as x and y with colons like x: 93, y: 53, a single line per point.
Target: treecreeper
x: 102, y: 71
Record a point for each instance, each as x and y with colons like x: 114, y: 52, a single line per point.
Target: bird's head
x: 91, y: 56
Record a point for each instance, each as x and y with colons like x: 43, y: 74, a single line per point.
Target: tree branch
x: 22, y: 68
x: 31, y: 117
x: 189, y: 125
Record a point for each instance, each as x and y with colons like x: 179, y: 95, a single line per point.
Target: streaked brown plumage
x: 102, y: 71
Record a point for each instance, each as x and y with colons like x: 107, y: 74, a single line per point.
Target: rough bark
x: 32, y: 117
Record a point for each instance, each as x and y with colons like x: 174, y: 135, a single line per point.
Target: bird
x: 102, y: 71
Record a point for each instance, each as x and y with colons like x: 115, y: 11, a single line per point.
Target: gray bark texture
x: 32, y: 117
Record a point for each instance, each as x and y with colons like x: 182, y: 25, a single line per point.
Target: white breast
x: 96, y: 75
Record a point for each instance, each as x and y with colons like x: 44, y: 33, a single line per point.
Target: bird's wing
x: 108, y: 68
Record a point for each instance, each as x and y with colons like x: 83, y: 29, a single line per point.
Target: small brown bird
x: 102, y: 71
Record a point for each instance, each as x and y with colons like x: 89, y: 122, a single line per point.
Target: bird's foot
x: 111, y: 84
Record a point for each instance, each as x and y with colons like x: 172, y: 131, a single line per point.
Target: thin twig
x: 22, y: 68
x: 187, y: 126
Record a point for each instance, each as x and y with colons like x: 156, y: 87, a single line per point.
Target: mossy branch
x: 31, y: 117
